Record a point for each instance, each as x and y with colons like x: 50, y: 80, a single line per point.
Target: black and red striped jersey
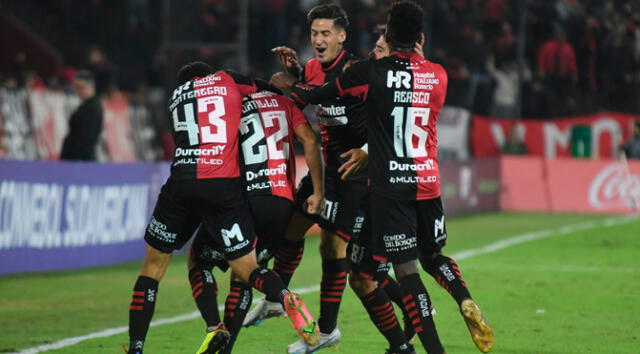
x: 404, y: 94
x: 342, y: 120
x: 267, y: 140
x: 206, y: 116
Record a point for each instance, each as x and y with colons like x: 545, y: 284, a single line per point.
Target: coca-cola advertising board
x: 552, y: 138
x: 570, y: 185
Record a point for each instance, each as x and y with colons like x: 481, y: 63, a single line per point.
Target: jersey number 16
x: 405, y: 127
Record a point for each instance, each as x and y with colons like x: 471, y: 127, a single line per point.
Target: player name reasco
x: 411, y: 97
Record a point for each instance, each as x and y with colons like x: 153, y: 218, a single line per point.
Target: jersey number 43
x: 213, y: 107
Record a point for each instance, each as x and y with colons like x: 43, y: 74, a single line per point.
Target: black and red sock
x: 287, y: 259
x: 235, y: 310
x: 143, y: 303
x: 205, y: 293
x: 447, y: 273
x: 418, y: 306
x: 395, y: 293
x: 384, y: 317
x: 334, y: 280
x: 269, y: 283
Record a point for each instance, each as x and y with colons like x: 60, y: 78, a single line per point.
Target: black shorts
x: 219, y: 204
x: 343, y: 212
x: 403, y: 230
x: 271, y: 216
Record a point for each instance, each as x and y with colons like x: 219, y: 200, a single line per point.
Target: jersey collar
x: 403, y: 55
x: 335, y: 61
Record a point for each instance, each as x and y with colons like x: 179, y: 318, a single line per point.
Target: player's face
x: 381, y: 49
x: 326, y: 39
x: 83, y: 88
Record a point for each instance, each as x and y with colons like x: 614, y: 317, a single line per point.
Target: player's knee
x: 360, y: 285
x: 406, y: 268
x: 243, y: 267
x: 428, y: 261
x: 332, y: 246
x: 155, y: 263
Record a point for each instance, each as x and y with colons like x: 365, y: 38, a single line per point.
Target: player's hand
x: 357, y: 160
x: 282, y: 80
x: 288, y: 57
x: 314, y: 204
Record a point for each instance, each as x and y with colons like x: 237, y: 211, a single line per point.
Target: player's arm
x: 248, y: 85
x: 306, y: 137
x: 352, y: 83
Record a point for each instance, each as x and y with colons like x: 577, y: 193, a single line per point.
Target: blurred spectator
x: 85, y: 124
x: 557, y: 66
x: 505, y: 95
x: 632, y: 147
x: 104, y: 72
x: 515, y: 142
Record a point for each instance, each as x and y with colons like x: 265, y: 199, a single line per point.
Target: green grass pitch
x: 571, y: 292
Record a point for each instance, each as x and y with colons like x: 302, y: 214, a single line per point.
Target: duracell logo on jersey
x: 398, y: 79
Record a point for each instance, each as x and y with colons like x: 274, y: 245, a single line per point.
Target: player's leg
x: 362, y: 279
x: 203, y: 284
x: 269, y: 283
x: 235, y: 309
x: 233, y: 229
x: 418, y: 305
x: 341, y: 219
x: 432, y: 237
x: 395, y: 293
x: 271, y: 217
x: 204, y: 288
x: 333, y: 250
x: 289, y: 253
x: 394, y: 222
x: 170, y: 227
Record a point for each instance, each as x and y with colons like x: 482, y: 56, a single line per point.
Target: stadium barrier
x: 606, y: 132
x: 65, y: 215
x: 569, y: 185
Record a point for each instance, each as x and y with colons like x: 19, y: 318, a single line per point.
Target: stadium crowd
x: 583, y: 55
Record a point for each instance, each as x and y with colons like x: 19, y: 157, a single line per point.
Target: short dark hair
x: 330, y: 12
x: 193, y: 69
x: 85, y: 75
x: 404, y: 24
x: 380, y: 30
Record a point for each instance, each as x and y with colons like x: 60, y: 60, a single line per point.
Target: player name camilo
x: 397, y: 166
x: 281, y: 169
x: 411, y: 97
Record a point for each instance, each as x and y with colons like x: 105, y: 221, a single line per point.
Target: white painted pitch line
x: 67, y: 342
x: 490, y: 248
